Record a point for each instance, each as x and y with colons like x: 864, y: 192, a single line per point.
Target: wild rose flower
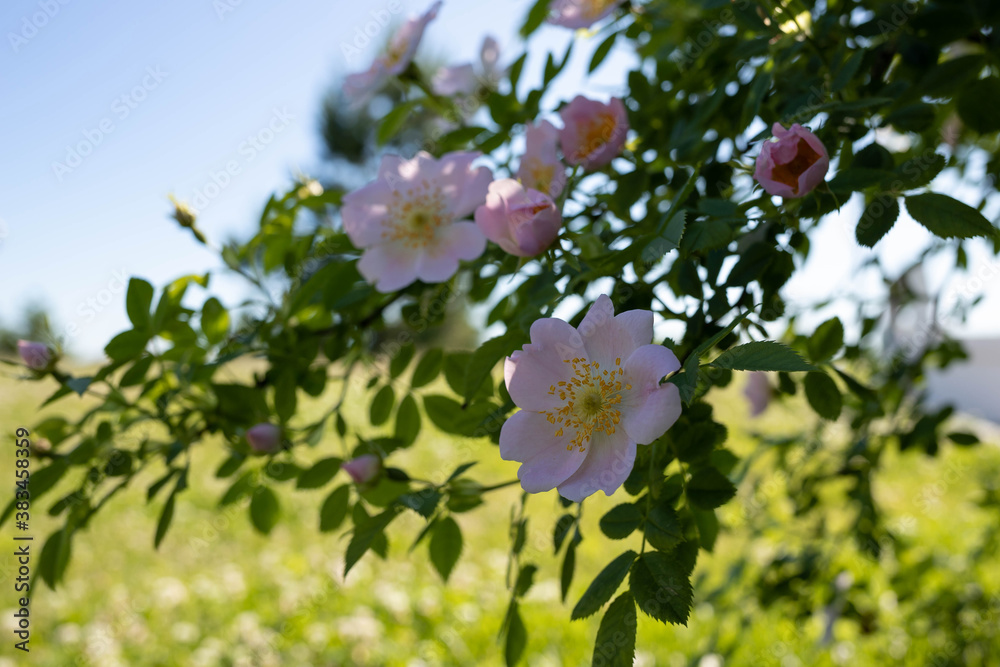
x: 524, y: 222
x: 758, y: 393
x: 264, y: 438
x: 540, y: 168
x: 587, y: 396
x: 363, y: 469
x: 593, y: 132
x: 793, y: 165
x: 580, y: 13
x: 35, y: 356
x: 402, y: 47
x: 409, y: 221
x: 463, y: 80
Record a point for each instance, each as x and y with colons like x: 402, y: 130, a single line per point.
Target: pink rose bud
x: 522, y: 222
x: 593, y: 132
x: 793, y: 165
x: 34, y: 355
x: 758, y: 393
x: 264, y: 438
x: 363, y: 469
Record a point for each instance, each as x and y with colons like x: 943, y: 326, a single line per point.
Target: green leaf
x: 663, y: 527
x: 662, y: 587
x: 963, y: 439
x: 879, y: 217
x: 604, y: 586
x: 947, y: 217
x: 568, y: 565
x: 615, y: 643
x: 602, y: 51
x: 381, y: 406
x: 214, y: 321
x: 826, y: 341
x: 401, y: 360
x: 536, y: 16
x: 763, y: 355
x: 423, y: 502
x: 525, y: 579
x: 138, y: 301
x: 365, y: 534
x: 243, y: 486
x: 407, y: 420
x: 978, y: 103
x: 137, y: 373
x: 319, y: 474
x: 264, y: 509
x: 709, y: 488
x: 393, y: 122
x: 127, y: 345
x: 55, y: 557
x: 42, y: 481
x: 708, y: 528
x: 483, y: 361
x: 166, y: 517
x: 427, y: 368
x: 517, y: 635
x: 445, y: 546
x: 620, y: 521
x: 823, y: 395
x: 334, y: 509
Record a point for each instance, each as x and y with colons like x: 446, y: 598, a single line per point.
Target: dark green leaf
x: 517, y: 635
x: 214, y: 321
x: 604, y: 586
x: 55, y: 557
x: 407, y: 420
x: 602, y: 51
x: 977, y: 105
x: 709, y: 488
x: 879, y: 217
x: 663, y: 527
x: 319, y: 474
x: 401, y: 360
x: 427, y: 368
x: 615, y: 643
x: 620, y: 521
x: 166, y: 517
x: 947, y: 217
x: 138, y: 301
x: 381, y: 406
x: 826, y: 341
x: 763, y: 355
x: 264, y: 509
x: 127, y: 345
x: 823, y: 395
x: 365, y: 535
x: 334, y: 509
x: 662, y: 587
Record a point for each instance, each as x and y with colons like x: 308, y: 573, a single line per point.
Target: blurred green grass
x: 218, y: 593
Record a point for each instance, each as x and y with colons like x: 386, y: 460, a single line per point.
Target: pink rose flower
x: 540, y: 168
x: 587, y: 395
x: 35, y: 356
x: 463, y: 79
x: 264, y: 438
x: 593, y: 132
x: 758, y: 393
x: 364, y: 469
x: 409, y: 221
x: 522, y: 222
x: 580, y: 13
x: 402, y: 47
x: 793, y: 165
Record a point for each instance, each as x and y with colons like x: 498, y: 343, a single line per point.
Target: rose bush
x: 654, y: 204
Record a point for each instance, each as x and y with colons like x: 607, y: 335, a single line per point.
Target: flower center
x: 414, y: 216
x: 589, y: 400
x: 598, y: 132
x: 542, y: 175
x: 789, y: 172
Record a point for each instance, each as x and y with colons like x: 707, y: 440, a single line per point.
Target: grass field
x: 217, y: 593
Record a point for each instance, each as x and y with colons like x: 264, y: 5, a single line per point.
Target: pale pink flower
x: 403, y: 45
x: 463, y: 79
x: 758, y: 393
x: 540, y: 167
x: 264, y: 438
x: 35, y: 356
x: 587, y: 396
x: 793, y: 165
x: 593, y: 132
x: 522, y: 222
x: 363, y: 469
x: 411, y: 220
x: 580, y: 13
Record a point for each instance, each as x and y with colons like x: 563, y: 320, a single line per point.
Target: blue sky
x: 165, y: 94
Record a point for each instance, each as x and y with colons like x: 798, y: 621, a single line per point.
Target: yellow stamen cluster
x: 590, y: 396
x: 599, y: 132
x: 414, y: 214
